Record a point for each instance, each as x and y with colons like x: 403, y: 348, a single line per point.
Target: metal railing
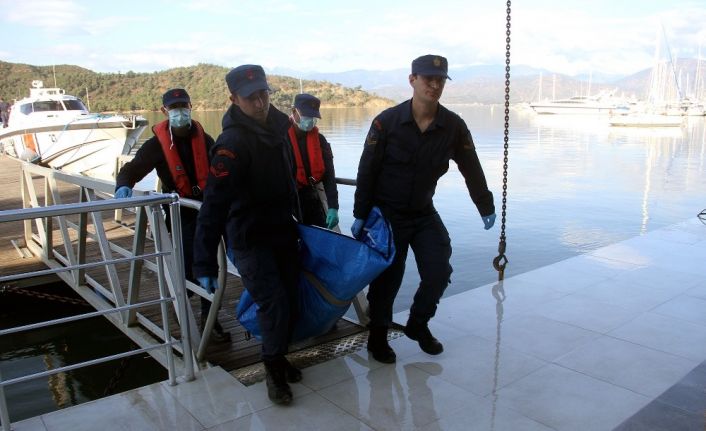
x: 71, y: 266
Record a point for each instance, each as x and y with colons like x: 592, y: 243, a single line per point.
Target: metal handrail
x: 76, y: 317
x: 85, y: 207
x: 82, y: 208
x: 43, y: 272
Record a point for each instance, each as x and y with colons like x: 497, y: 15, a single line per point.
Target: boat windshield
x: 52, y: 105
x: 47, y: 105
x: 74, y: 105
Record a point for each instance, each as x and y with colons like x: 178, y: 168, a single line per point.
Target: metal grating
x: 313, y: 355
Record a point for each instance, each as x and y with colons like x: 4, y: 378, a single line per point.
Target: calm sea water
x: 574, y: 184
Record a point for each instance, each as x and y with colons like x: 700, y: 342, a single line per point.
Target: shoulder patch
x: 374, y: 133
x: 225, y: 153
x: 219, y: 170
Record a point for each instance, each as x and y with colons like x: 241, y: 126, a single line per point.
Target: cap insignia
x: 437, y: 61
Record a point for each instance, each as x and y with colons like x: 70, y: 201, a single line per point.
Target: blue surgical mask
x: 306, y: 123
x: 179, y: 117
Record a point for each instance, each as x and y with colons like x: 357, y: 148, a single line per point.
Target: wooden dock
x: 242, y: 351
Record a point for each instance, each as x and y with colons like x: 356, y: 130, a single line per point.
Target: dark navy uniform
x: 251, y: 196
x: 398, y: 172
x: 151, y: 156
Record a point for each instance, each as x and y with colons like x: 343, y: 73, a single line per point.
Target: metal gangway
x: 81, y: 230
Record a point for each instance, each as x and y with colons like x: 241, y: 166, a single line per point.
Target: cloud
x: 51, y: 16
x: 373, y: 35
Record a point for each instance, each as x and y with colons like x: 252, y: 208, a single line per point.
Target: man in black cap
x: 407, y: 150
x: 314, y: 160
x: 178, y: 151
x: 251, y: 196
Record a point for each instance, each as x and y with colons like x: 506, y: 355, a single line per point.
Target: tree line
x: 130, y: 91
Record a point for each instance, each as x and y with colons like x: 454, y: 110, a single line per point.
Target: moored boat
x: 55, y: 129
x: 580, y: 105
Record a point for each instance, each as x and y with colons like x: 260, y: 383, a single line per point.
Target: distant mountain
x: 486, y: 83
x: 132, y: 91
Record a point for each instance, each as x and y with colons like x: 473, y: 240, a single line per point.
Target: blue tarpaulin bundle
x: 334, y: 268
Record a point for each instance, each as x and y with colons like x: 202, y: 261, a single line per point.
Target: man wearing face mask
x: 314, y: 159
x: 179, y: 152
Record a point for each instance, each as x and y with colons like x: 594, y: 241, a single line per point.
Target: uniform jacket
x: 400, y: 166
x: 250, y: 194
x: 150, y: 156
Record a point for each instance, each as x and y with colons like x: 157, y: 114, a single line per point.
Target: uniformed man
x: 314, y: 159
x: 251, y: 195
x: 178, y: 151
x: 407, y: 150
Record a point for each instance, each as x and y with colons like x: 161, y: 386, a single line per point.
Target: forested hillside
x: 142, y: 91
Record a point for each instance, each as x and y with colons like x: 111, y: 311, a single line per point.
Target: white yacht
x: 55, y: 129
x: 579, y: 105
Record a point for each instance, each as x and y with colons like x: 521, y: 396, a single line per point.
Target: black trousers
x: 270, y: 273
x: 431, y: 245
x: 312, y: 208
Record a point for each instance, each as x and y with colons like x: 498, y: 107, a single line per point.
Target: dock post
x: 181, y: 288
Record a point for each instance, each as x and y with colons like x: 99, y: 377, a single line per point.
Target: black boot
x: 218, y: 335
x: 293, y: 373
x: 378, y: 346
x: 420, y: 333
x: 276, y: 378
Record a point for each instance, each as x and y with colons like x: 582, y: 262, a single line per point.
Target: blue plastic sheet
x: 335, y: 268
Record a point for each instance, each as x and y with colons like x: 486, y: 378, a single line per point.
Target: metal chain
x: 501, y: 261
x: 48, y: 296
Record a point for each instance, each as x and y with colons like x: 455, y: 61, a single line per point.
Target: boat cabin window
x: 74, y: 105
x: 47, y: 105
x: 26, y: 108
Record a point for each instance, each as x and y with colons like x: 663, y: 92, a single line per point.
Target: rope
x: 501, y: 261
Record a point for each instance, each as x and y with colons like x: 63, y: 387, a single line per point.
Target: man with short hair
x: 251, y: 196
x: 314, y: 160
x: 178, y: 151
x: 406, y: 151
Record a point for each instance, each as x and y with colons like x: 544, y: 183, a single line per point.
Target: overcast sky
x: 569, y: 36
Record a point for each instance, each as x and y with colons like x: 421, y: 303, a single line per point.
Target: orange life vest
x: 316, y: 158
x: 176, y: 167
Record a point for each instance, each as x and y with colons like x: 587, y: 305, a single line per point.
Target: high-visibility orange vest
x: 176, y: 167
x: 316, y: 158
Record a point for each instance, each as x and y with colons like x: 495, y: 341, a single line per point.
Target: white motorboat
x: 580, y: 105
x: 56, y: 129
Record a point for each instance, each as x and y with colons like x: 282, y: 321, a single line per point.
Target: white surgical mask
x: 306, y: 123
x: 179, y: 117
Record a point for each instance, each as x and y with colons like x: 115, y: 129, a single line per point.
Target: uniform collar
x: 407, y: 117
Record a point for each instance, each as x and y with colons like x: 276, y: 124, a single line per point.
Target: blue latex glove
x: 209, y: 284
x: 123, y: 192
x: 489, y: 221
x: 331, y: 218
x: 357, y: 228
